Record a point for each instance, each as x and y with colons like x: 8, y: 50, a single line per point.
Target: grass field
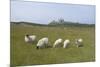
x: 26, y: 54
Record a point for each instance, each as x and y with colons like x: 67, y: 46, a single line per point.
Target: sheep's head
x: 37, y: 47
x: 27, y: 35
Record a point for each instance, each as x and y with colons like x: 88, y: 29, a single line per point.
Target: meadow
x: 26, y: 53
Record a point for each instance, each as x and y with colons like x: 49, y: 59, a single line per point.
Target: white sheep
x: 66, y: 43
x: 42, y: 43
x: 79, y: 42
x: 57, y: 43
x: 30, y: 38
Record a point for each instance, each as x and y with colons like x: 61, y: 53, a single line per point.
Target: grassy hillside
x: 26, y: 54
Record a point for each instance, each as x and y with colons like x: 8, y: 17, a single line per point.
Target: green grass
x: 26, y: 54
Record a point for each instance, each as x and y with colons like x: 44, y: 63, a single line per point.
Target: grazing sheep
x: 42, y: 43
x: 66, y: 43
x: 57, y: 43
x: 79, y: 42
x: 30, y: 38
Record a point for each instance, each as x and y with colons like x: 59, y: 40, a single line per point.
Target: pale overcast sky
x: 43, y: 13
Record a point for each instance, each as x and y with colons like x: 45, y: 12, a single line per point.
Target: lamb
x: 30, y: 38
x: 42, y: 43
x: 79, y: 42
x: 66, y: 43
x: 57, y: 43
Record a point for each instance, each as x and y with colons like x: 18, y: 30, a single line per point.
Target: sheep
x: 30, y: 38
x: 79, y: 42
x: 66, y: 43
x: 57, y: 42
x: 42, y: 43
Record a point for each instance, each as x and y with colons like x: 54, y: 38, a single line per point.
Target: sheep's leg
x: 77, y: 45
